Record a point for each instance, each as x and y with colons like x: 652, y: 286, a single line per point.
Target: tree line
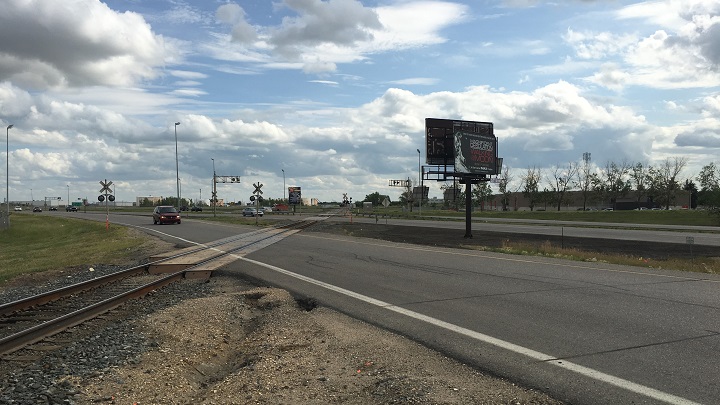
x: 657, y: 183
x: 554, y: 187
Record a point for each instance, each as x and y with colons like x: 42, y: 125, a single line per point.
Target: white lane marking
x: 582, y: 370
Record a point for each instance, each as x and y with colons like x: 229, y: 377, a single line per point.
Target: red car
x: 166, y: 214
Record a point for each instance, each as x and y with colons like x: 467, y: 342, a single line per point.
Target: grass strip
x: 36, y: 243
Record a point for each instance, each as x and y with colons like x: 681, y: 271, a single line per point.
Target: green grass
x: 38, y: 243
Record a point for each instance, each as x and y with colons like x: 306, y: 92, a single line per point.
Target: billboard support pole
x: 468, y: 207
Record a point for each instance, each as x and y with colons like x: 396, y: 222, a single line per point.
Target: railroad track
x: 32, y: 319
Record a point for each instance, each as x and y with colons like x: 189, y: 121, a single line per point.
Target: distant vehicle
x: 281, y: 208
x: 71, y: 208
x: 166, y: 214
x: 251, y: 212
x: 184, y: 208
x: 18, y: 208
x: 53, y: 208
x: 37, y: 209
x: 196, y: 208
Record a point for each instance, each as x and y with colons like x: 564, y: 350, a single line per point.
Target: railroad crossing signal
x: 106, y: 192
x: 257, y: 193
x: 106, y: 187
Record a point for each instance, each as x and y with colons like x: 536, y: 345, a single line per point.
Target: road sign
x: 227, y: 179
x: 399, y: 183
x: 257, y: 186
x: 386, y: 202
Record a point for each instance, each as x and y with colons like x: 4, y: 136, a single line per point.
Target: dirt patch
x: 247, y: 345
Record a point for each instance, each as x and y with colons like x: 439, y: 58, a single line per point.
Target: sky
x: 332, y: 95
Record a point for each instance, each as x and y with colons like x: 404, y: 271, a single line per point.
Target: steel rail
x: 32, y: 335
x: 44, y: 298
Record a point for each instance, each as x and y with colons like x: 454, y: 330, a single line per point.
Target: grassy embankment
x: 37, y: 243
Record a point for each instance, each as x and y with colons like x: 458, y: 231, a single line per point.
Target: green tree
x: 709, y: 194
x: 613, y: 183
x: 664, y: 179
x: 531, y: 183
x: 504, y: 187
x: 481, y: 193
x: 639, y: 175
x: 375, y: 198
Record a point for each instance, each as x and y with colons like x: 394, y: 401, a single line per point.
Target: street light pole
x: 214, y: 190
x: 283, y: 170
x: 7, y: 172
x: 177, y: 168
x: 68, y: 203
x: 420, y: 184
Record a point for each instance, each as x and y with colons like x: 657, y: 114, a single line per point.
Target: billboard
x: 294, y: 195
x: 440, y: 139
x: 475, y: 153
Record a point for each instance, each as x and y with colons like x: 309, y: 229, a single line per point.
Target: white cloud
x: 79, y: 43
x: 324, y: 34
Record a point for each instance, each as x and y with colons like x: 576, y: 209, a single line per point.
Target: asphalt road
x: 586, y: 333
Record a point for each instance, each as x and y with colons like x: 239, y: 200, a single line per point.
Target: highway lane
x: 585, y: 333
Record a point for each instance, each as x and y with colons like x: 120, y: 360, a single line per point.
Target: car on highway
x: 166, y: 214
x: 18, y: 208
x: 196, y: 209
x: 251, y: 212
x: 71, y: 208
x: 37, y: 209
x: 53, y: 208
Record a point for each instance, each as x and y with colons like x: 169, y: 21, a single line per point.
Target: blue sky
x: 335, y: 92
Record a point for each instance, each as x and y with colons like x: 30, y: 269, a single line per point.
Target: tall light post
x: 283, y: 170
x: 68, y: 203
x: 177, y: 168
x: 7, y: 172
x: 213, y: 197
x: 422, y: 191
